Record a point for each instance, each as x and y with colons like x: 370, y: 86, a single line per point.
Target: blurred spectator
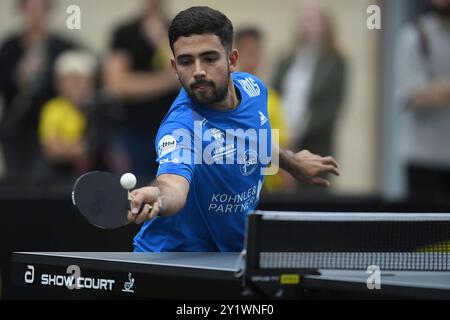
x: 26, y: 82
x: 63, y: 121
x: 311, y: 80
x: 249, y: 42
x: 424, y: 79
x: 138, y: 72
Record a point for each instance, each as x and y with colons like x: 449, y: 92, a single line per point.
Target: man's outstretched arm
x: 165, y: 197
x: 306, y: 166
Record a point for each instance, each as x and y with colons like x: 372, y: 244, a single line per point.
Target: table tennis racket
x: 101, y: 199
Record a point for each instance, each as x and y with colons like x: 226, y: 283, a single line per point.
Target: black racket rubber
x: 101, y: 199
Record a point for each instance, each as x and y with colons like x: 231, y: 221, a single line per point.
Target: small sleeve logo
x: 166, y: 145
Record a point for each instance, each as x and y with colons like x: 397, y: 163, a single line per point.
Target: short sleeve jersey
x: 223, y: 155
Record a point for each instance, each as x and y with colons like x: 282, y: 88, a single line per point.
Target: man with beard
x: 211, y: 160
x: 424, y: 74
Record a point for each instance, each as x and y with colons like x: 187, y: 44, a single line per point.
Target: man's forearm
x: 436, y: 96
x: 134, y: 85
x: 171, y: 199
x: 141, y: 84
x: 122, y: 81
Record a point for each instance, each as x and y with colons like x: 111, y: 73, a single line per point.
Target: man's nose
x: 199, y: 70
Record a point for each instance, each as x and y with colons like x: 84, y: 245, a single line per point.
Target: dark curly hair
x: 201, y: 20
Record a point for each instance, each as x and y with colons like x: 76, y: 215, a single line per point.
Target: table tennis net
x: 409, y: 242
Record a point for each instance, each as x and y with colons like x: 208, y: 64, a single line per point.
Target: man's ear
x: 233, y: 59
x: 174, y: 67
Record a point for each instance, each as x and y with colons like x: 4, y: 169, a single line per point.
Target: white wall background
x: 357, y: 135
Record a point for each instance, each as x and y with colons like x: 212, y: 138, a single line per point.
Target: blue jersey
x: 222, y: 154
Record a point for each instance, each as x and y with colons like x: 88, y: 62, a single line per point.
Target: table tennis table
x: 188, y: 275
x: 276, y: 263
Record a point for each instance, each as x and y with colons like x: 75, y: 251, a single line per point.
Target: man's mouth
x: 201, y: 86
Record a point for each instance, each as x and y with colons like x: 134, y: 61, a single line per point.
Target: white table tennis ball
x: 128, y: 181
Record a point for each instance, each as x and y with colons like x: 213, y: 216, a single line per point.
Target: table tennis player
x: 212, y: 146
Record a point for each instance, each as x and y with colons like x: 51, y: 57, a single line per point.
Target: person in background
x: 249, y: 42
x: 64, y: 119
x: 137, y: 72
x: 311, y: 81
x: 26, y: 82
x: 424, y: 79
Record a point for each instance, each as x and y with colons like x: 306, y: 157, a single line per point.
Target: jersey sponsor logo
x: 250, y: 86
x: 262, y: 118
x: 167, y: 160
x: 224, y: 151
x: 234, y: 203
x: 218, y: 136
x: 249, y: 162
x: 166, y: 145
x: 220, y: 149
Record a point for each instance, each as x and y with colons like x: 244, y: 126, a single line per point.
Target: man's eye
x: 210, y: 59
x: 185, y: 62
